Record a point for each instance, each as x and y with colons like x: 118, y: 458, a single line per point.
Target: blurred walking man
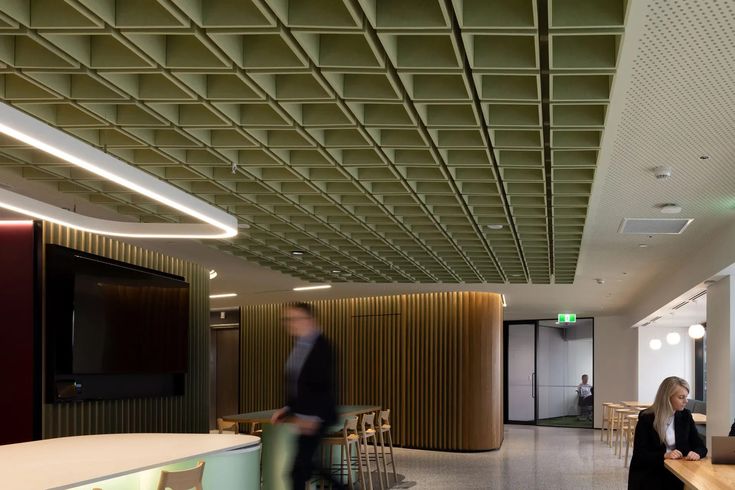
x: 311, y: 394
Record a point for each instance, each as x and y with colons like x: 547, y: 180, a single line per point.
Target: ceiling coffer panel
x: 392, y: 141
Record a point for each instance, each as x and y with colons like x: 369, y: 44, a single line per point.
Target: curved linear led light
x: 37, y: 134
x: 310, y: 288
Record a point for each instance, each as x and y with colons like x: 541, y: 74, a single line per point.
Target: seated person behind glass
x: 584, y: 389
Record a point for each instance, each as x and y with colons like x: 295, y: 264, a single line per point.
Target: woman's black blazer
x: 647, y: 469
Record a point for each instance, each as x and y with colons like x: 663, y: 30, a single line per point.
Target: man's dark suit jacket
x: 647, y: 470
x: 315, y: 386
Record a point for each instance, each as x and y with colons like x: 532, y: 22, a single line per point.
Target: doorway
x: 224, y: 363
x: 544, y: 366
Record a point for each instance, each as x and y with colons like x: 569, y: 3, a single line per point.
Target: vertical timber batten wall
x: 434, y: 359
x: 188, y: 413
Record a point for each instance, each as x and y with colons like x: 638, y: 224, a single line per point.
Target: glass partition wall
x: 548, y: 373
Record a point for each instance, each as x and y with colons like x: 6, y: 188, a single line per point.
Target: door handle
x: 533, y: 385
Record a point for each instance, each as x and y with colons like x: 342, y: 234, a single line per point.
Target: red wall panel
x: 17, y: 363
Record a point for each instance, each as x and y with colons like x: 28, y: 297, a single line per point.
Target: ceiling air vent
x: 698, y: 295
x: 653, y: 226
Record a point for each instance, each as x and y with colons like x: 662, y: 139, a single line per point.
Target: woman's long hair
x: 661, y: 407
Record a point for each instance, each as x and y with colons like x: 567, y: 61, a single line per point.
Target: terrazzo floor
x: 545, y: 458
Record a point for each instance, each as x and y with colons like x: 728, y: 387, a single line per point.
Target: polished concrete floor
x: 531, y: 457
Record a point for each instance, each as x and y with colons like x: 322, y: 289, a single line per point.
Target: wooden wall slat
x: 188, y: 413
x: 433, y: 359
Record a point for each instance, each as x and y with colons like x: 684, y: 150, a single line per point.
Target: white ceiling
x: 673, y: 100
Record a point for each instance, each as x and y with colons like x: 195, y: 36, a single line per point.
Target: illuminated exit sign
x: 567, y: 318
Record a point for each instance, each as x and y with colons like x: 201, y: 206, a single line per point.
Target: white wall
x: 670, y: 360
x: 616, y: 362
x: 720, y: 342
x: 563, y: 356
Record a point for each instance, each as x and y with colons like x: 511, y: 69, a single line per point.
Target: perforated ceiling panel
x: 381, y: 137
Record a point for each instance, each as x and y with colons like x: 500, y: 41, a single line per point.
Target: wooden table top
x: 264, y: 416
x: 703, y: 474
x: 637, y: 404
x: 699, y: 418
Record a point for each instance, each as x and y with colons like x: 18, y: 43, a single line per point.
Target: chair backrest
x: 350, y: 425
x: 350, y: 429
x: 182, y: 480
x: 696, y: 406
x: 368, y: 421
x: 223, y: 426
x: 385, y: 416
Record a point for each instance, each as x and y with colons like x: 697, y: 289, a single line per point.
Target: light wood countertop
x: 68, y: 462
x: 703, y: 475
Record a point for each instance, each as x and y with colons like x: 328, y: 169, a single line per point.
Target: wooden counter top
x: 702, y: 474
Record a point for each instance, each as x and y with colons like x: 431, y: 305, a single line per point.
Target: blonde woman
x: 665, y: 430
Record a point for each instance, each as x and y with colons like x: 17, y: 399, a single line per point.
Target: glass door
x: 564, y: 382
x: 548, y: 373
x: 520, y: 372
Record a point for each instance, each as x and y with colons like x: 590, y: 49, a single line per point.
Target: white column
x: 720, y: 341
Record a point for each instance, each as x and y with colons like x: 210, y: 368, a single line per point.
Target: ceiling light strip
x: 222, y: 295
x: 310, y: 288
x: 28, y: 130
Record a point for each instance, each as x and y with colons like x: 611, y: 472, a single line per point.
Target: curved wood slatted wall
x: 186, y: 413
x: 433, y: 359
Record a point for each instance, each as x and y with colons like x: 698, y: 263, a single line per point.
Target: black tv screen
x: 108, y: 318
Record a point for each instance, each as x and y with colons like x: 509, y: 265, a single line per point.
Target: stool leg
x: 602, y: 427
x: 392, y: 459
x: 360, y: 471
x: 347, y: 456
x: 382, y: 454
x: 377, y: 461
x: 367, y: 464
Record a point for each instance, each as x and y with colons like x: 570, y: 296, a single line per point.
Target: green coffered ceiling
x: 381, y: 137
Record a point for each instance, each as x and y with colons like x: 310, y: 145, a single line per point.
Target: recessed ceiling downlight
x: 297, y: 253
x: 670, y: 209
x: 495, y: 226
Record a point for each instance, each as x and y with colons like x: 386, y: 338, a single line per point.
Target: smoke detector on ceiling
x: 662, y: 172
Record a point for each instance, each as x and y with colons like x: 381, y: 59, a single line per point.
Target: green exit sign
x: 567, y: 318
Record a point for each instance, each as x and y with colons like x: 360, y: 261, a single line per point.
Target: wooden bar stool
x: 227, y: 427
x: 367, y: 434
x: 630, y: 434
x: 605, y: 419
x: 182, y: 480
x: 384, y: 433
x: 623, y: 427
x: 611, y: 431
x: 347, y: 439
x: 620, y: 420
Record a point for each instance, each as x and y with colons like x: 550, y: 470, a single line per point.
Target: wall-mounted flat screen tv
x: 113, y: 330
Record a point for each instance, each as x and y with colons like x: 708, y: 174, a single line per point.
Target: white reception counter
x: 129, y: 461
